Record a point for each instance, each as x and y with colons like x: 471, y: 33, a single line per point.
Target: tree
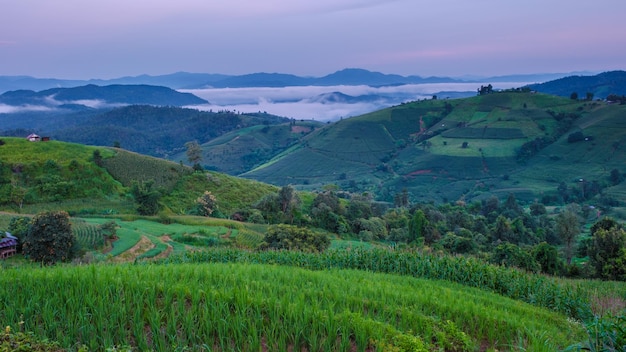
x: 50, y: 239
x: 147, y: 197
x: 294, y: 238
x: 207, y: 204
x: 288, y: 201
x: 548, y: 258
x: 567, y: 228
x: 417, y: 225
x: 615, y: 177
x: 18, y: 227
x: 508, y: 254
x: 574, y: 96
x: 194, y: 152
x: 607, y: 252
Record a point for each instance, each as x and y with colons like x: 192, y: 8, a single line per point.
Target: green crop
x: 224, y: 307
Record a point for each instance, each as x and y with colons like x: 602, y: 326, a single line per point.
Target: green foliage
x: 567, y: 228
x: 18, y: 227
x: 508, y: 254
x: 146, y: 197
x: 607, y: 253
x: 417, y: 225
x: 605, y: 334
x: 547, y: 257
x: 50, y: 238
x: 294, y: 238
x: 11, y: 341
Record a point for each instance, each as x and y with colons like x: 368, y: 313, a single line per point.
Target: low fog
x: 321, y: 104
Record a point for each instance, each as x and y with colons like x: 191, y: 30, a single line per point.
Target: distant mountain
x: 601, y: 85
x: 258, y: 80
x: 186, y: 80
x: 338, y: 97
x: 97, y: 96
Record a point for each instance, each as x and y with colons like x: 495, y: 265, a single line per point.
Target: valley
x: 491, y: 222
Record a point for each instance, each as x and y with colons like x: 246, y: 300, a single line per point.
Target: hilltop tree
x: 485, y: 89
x: 194, y: 152
x: 50, y: 239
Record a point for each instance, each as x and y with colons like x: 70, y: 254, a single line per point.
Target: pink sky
x: 113, y: 38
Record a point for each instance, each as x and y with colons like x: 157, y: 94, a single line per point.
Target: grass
x: 247, y: 306
x: 19, y: 150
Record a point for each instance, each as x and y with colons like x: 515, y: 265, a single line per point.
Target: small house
x: 33, y: 137
x: 8, y: 246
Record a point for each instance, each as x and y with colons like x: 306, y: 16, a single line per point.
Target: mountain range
x: 518, y: 141
x: 186, y: 80
x: 100, y: 96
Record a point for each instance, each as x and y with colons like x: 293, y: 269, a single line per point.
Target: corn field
x: 90, y: 237
x: 534, y: 289
x: 252, y: 307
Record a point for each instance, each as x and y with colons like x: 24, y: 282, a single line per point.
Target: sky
x: 79, y: 39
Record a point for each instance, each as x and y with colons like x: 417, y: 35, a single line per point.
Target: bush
x: 294, y: 238
x: 50, y: 239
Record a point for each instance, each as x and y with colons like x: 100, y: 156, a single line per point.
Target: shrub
x: 294, y: 238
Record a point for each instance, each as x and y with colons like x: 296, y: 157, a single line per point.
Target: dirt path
x: 138, y: 249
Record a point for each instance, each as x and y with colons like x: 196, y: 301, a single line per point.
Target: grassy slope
x: 367, y: 150
x: 591, y: 160
x: 109, y: 184
x: 237, y: 151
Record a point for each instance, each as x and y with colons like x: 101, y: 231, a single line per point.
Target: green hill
x: 465, y: 149
x: 37, y: 176
x: 242, y: 149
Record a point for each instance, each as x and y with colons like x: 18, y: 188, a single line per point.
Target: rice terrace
x: 488, y: 223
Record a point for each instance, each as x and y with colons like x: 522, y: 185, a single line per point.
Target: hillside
x: 600, y: 85
x: 152, y: 130
x: 242, y: 149
x: 465, y: 149
x: 70, y: 176
x: 95, y: 96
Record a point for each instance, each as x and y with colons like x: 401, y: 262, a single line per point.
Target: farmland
x: 493, y: 266
x: 256, y: 307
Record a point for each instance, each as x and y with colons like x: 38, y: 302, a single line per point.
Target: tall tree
x: 288, y: 201
x: 417, y: 225
x: 567, y: 228
x: 194, y: 152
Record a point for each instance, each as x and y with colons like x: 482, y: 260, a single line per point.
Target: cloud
x: 301, y: 102
x: 10, y: 109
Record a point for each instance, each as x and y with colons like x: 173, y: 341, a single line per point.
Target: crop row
x: 537, y: 290
x: 90, y: 237
x: 248, y: 307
